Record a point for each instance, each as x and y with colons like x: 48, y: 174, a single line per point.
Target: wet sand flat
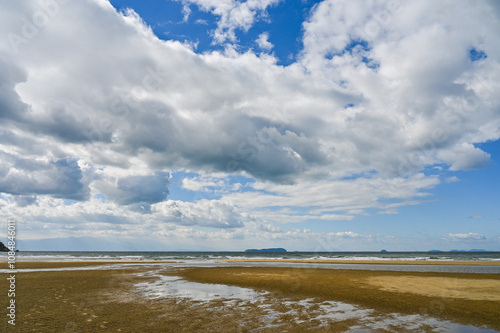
x: 383, y: 291
x: 108, y: 301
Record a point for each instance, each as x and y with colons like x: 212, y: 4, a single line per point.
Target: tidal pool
x: 277, y: 310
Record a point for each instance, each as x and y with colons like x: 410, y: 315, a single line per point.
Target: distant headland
x: 3, y: 248
x: 279, y: 249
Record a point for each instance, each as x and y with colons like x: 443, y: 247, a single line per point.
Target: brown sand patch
x: 272, y: 276
x: 473, y: 289
x: 377, y: 262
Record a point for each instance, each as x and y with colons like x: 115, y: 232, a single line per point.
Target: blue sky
x: 282, y: 21
x: 223, y: 125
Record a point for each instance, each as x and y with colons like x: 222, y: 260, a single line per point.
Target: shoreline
x: 297, y: 261
x: 76, y: 263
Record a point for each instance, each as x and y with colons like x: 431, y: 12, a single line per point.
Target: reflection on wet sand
x: 282, y: 310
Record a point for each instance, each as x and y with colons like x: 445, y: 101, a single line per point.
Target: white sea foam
x: 217, y: 256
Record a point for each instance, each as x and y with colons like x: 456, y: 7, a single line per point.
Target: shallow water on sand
x: 174, y: 286
x: 277, y: 310
x: 486, y: 269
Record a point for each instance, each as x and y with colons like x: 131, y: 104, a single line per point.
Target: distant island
x: 279, y: 249
x: 473, y: 250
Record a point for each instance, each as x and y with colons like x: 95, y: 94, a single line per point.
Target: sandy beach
x: 79, y: 263
x: 292, y: 300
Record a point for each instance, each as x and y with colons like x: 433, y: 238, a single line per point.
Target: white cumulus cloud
x: 467, y: 236
x: 96, y: 113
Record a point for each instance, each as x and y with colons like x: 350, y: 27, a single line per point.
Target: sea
x: 219, y: 256
x: 220, y: 259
